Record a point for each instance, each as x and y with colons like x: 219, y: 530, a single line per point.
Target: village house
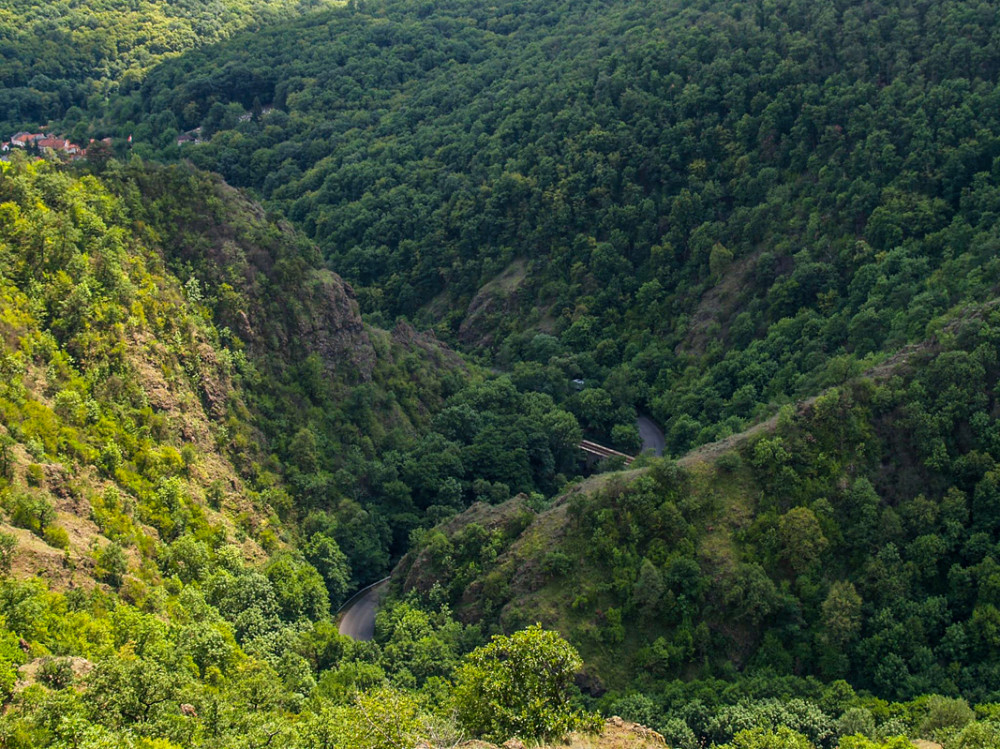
x: 42, y: 141
x: 23, y: 140
x: 191, y: 136
x: 57, y: 144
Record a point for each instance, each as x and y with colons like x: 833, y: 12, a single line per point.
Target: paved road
x: 651, y: 435
x: 359, y: 618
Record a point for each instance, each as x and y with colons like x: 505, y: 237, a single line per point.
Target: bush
x: 760, y: 738
x: 799, y: 715
x: 112, y: 564
x: 30, y: 512
x: 556, y: 564
x: 862, y: 742
x: 856, y: 721
x: 979, y: 735
x: 729, y: 462
x: 8, y: 543
x: 56, y: 673
x: 945, y: 717
x: 56, y: 537
x: 34, y: 475
x: 379, y: 719
x: 8, y: 677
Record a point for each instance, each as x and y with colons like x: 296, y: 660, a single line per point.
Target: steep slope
x: 131, y: 401
x: 853, y: 537
x: 702, y: 210
x: 116, y: 389
x: 203, y: 449
x: 250, y: 358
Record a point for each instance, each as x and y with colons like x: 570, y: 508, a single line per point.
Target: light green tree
x: 862, y: 742
x: 381, y: 718
x: 8, y: 542
x: 841, y: 614
x: 802, y: 538
x: 761, y: 738
x: 519, y: 685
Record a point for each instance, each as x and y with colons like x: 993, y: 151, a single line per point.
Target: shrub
x: 798, y: 715
x: 978, y: 735
x: 30, y: 512
x: 862, y: 742
x: 56, y: 537
x: 8, y: 542
x: 34, y: 475
x: 556, y: 564
x: 112, y: 565
x: 8, y: 677
x: 760, y: 738
x: 945, y: 716
x: 56, y: 673
x: 856, y: 721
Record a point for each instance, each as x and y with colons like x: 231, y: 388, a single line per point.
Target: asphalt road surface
x: 651, y: 435
x: 359, y: 618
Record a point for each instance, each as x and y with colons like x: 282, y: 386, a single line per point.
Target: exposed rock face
x: 638, y: 735
x: 30, y: 672
x: 503, y: 296
x: 409, y: 338
x: 257, y: 277
x: 332, y: 327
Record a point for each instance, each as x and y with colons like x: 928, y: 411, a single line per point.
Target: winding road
x: 651, y: 435
x: 358, y: 620
x: 358, y: 614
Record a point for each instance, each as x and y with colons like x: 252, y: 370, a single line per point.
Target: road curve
x: 651, y: 435
x: 358, y: 619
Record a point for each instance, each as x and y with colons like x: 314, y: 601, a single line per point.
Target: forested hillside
x: 853, y: 538
x: 337, y: 424
x: 352, y: 282
x: 63, y: 60
x: 701, y: 209
x: 203, y: 450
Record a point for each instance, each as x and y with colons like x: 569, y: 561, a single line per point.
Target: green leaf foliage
x: 519, y: 686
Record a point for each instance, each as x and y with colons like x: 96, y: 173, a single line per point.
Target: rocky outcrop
x: 427, y: 343
x: 616, y: 734
x: 331, y: 325
x: 260, y: 281
x: 501, y: 297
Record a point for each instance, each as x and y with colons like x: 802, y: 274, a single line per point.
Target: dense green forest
x: 701, y: 209
x: 65, y: 60
x: 203, y: 450
x: 362, y: 278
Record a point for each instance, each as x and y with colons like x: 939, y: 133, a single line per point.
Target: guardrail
x: 603, y: 452
x: 360, y: 593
